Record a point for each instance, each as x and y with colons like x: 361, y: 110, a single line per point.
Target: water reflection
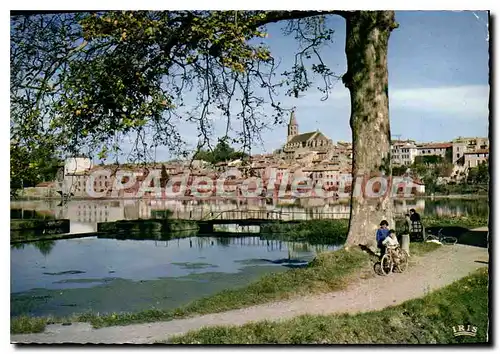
x: 85, y: 214
x: 95, y: 258
x: 45, y: 247
x: 269, y: 242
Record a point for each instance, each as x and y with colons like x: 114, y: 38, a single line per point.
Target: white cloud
x: 460, y: 101
x: 466, y: 102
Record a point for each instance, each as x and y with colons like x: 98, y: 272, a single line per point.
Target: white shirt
x: 390, y: 242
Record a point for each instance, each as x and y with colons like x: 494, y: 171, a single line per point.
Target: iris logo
x: 462, y: 330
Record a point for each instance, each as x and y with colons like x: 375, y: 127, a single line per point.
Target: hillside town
x: 303, y: 155
x: 231, y: 177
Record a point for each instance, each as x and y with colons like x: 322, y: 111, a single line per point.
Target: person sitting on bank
x: 382, y: 234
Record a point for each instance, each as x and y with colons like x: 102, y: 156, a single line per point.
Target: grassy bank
x: 332, y: 232
x: 466, y: 222
x: 330, y: 271
x: 26, y: 230
x: 418, y: 249
x: 428, y: 320
x: 37, y: 224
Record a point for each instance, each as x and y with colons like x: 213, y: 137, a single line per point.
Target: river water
x: 109, y: 275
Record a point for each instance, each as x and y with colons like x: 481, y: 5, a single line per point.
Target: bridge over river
x: 207, y: 221
x: 229, y: 216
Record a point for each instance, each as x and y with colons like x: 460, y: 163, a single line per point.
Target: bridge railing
x: 274, y: 215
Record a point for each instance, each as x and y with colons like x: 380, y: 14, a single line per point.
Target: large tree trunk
x: 367, y: 38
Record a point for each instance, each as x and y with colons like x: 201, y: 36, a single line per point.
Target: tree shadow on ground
x: 374, y: 257
x: 482, y: 262
x: 368, y: 250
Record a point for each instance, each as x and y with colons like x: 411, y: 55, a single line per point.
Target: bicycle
x: 388, y: 264
x: 445, y: 240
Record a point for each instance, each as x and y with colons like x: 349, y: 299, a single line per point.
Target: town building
x: 462, y: 145
x: 474, y: 158
x: 76, y: 172
x: 435, y: 149
x: 327, y: 174
x: 403, y: 152
x: 299, y: 144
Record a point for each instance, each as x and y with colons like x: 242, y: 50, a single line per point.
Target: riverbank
x: 330, y: 271
x: 28, y: 230
x: 455, y: 196
x: 333, y: 231
x: 428, y: 320
x: 145, y: 226
x: 432, y: 221
x: 467, y: 222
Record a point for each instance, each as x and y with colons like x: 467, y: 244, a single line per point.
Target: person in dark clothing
x: 416, y: 229
x: 414, y: 216
x: 382, y: 233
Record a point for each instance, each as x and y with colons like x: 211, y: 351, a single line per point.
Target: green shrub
x: 312, y: 231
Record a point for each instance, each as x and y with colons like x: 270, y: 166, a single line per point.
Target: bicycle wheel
x: 430, y: 236
x: 386, y: 264
x: 449, y: 240
x: 403, y: 262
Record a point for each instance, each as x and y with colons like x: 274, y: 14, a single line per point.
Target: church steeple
x: 293, y: 127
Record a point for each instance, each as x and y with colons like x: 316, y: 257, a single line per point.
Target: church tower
x: 293, y: 127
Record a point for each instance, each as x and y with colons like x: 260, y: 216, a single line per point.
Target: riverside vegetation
x: 329, y: 271
x: 427, y: 320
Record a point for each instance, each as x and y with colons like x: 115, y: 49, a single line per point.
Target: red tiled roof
x: 435, y: 146
x: 403, y: 141
x: 480, y: 151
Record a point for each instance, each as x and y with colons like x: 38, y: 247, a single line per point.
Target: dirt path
x: 434, y: 270
x: 482, y: 228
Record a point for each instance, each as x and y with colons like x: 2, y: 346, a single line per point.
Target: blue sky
x: 438, y: 81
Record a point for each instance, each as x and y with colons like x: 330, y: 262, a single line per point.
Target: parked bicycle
x: 445, y: 240
x: 395, y: 259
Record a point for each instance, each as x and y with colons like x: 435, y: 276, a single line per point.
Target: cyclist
x: 382, y: 234
x: 392, y: 245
